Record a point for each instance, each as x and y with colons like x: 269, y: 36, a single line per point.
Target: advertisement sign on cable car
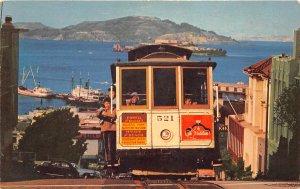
x: 197, y: 127
x: 134, y: 129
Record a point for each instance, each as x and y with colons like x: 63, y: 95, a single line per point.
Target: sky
x: 229, y: 18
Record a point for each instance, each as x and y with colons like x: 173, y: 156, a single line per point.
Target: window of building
x: 195, y: 90
x: 133, y: 87
x: 260, y: 163
x: 164, y: 85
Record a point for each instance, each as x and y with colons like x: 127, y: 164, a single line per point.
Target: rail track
x: 175, y: 184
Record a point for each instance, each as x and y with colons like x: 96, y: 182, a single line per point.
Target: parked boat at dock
x: 37, y: 91
x: 42, y: 92
x: 85, y: 94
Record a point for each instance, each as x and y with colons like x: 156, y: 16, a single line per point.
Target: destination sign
x: 134, y: 129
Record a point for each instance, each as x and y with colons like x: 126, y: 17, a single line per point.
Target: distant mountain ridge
x: 127, y: 29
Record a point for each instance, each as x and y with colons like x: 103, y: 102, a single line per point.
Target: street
x: 147, y: 184
x: 107, y: 183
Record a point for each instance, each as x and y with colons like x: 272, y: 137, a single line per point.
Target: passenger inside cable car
x: 133, y: 87
x: 195, y: 86
x: 188, y: 101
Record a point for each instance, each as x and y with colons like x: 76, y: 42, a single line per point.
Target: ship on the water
x: 79, y: 95
x: 122, y: 48
x: 85, y: 95
x: 197, y: 50
x: 37, y: 91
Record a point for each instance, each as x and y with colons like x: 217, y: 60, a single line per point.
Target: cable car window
x: 164, y: 81
x: 133, y: 87
x: 195, y: 86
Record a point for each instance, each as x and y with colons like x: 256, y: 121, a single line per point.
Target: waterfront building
x: 247, y: 132
x: 285, y: 72
x: 9, y: 63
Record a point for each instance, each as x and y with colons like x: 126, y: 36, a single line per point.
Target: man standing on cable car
x: 108, y: 131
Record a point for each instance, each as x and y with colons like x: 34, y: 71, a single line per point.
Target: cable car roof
x: 143, y: 51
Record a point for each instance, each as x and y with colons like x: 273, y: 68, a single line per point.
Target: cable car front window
x: 133, y: 87
x: 195, y: 86
x: 164, y: 86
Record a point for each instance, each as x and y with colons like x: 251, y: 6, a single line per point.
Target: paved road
x: 257, y: 185
x: 147, y: 184
x: 106, y: 184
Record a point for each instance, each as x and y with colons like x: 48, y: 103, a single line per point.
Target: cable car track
x: 167, y: 183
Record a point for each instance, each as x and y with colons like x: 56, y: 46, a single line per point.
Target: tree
x: 240, y: 168
x: 52, y: 135
x: 287, y: 113
x: 287, y: 107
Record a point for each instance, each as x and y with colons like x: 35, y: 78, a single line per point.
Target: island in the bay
x: 137, y: 29
x: 197, y: 50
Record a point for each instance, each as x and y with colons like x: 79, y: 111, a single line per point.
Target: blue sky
x: 230, y: 18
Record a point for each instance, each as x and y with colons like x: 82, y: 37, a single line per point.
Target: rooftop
x: 261, y: 68
x: 226, y: 109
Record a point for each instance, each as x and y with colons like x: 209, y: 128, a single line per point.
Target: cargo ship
x: 85, y: 95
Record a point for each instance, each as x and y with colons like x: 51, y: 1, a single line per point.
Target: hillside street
x: 109, y: 183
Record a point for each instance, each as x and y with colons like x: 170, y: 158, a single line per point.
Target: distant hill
x: 127, y: 29
x: 30, y: 25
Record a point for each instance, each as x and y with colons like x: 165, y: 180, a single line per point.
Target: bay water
x: 54, y: 63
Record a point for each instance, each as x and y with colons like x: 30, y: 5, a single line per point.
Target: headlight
x: 165, y: 134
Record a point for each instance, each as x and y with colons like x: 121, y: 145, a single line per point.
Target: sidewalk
x: 257, y: 184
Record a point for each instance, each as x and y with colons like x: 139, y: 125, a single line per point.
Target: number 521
x: 165, y: 118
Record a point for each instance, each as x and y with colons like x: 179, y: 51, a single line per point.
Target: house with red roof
x: 247, y: 132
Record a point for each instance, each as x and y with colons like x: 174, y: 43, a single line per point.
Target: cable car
x: 165, y: 120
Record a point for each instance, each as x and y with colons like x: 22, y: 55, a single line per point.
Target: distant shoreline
x: 266, y: 38
x: 132, y: 42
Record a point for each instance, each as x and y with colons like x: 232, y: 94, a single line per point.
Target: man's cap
x: 134, y: 94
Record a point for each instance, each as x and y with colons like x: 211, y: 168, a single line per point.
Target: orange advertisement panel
x: 197, y: 127
x: 134, y: 129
